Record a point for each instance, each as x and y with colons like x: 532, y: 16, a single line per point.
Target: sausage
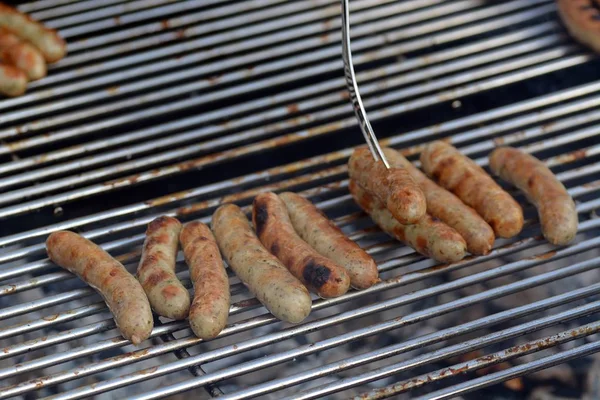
x: 21, y: 55
x: 326, y: 238
x: 123, y: 294
x: 13, y: 81
x: 26, y: 58
x: 275, y: 231
x: 210, y: 307
x: 556, y: 209
x: 156, y: 270
x: 582, y: 20
x: 47, y: 41
x: 394, y: 187
x: 429, y: 237
x: 474, y: 187
x: 272, y: 284
x: 448, y: 208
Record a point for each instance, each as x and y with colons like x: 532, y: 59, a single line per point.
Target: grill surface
x: 173, y: 108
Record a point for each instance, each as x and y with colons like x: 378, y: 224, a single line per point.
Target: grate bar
x: 513, y: 372
x: 427, y: 340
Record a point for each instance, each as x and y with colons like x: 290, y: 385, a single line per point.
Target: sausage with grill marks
x: 21, y: 55
x: 325, y: 237
x: 269, y: 280
x: 556, y: 209
x: 123, y: 294
x: 156, y: 270
x: 275, y: 231
x: 13, y: 81
x: 394, y: 187
x: 429, y: 237
x: 210, y: 307
x: 474, y: 187
x: 46, y: 40
x: 448, y: 208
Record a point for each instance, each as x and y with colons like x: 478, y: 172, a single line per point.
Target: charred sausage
x: 556, y: 209
x: 48, y: 42
x: 272, y: 284
x: 325, y: 237
x: 123, y: 294
x: 394, y: 187
x: 156, y: 270
x: 473, y: 186
x: 210, y: 307
x: 429, y: 237
x: 448, y: 208
x: 275, y: 231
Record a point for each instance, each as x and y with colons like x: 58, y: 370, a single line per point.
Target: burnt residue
x: 275, y: 248
x: 261, y: 215
x: 315, y: 274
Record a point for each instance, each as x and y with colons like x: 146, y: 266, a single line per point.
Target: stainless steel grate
x: 173, y: 108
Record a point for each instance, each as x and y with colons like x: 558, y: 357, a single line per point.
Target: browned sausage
x: 394, y: 187
x: 123, y: 294
x: 156, y: 270
x: 275, y: 231
x: 26, y: 58
x: 21, y: 55
x: 557, y: 211
x: 272, y: 284
x: 474, y: 186
x: 210, y: 308
x: 325, y: 237
x: 13, y: 81
x: 447, y: 207
x: 47, y: 41
x: 429, y: 237
x: 582, y: 19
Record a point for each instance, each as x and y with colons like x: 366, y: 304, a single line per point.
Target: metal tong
x: 359, y: 108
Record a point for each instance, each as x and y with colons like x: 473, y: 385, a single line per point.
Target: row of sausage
x: 294, y: 247
x: 466, y: 209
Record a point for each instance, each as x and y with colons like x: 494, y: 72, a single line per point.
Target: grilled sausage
x: 275, y: 231
x: 429, y: 237
x: 473, y: 186
x: 156, y: 270
x: 325, y: 237
x: 394, y: 187
x: 556, y: 208
x: 123, y: 294
x: 582, y: 19
x: 272, y: 284
x: 210, y: 308
x: 13, y: 81
x: 26, y: 58
x: 48, y: 42
x: 447, y: 207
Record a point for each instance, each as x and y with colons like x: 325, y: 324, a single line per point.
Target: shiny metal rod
x: 359, y: 109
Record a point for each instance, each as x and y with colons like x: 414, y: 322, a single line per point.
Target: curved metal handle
x: 359, y: 109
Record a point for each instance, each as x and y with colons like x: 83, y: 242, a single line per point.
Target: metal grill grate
x: 173, y: 108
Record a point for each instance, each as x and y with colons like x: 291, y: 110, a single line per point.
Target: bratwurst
x: 276, y: 232
x: 269, y: 280
x: 556, y: 208
x: 123, y: 294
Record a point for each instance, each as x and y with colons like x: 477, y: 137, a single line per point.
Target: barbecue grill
x: 166, y: 107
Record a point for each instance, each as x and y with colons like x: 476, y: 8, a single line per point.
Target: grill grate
x: 173, y: 108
